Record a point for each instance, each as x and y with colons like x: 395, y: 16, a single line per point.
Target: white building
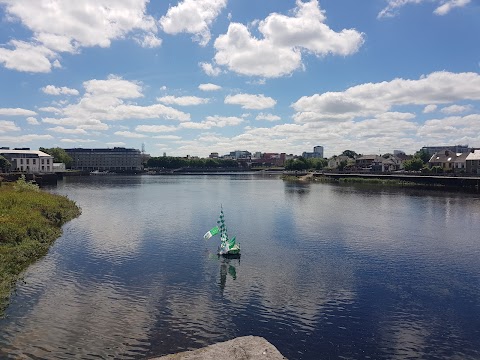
x: 29, y: 161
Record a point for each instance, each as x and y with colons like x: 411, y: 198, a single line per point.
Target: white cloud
x: 267, y: 117
x: 16, y: 112
x: 15, y: 140
x: 63, y: 130
x: 167, y: 137
x: 129, y: 134
x: 155, y: 128
x: 8, y: 126
x: 209, y: 69
x: 455, y: 109
x: 449, y: 5
x: 149, y: 41
x: 249, y: 101
x: 66, y: 26
x: 429, y: 108
x: 279, y: 53
x: 193, y: 17
x: 27, y: 57
x: 213, y: 121
x: 454, y: 127
x: 446, y: 6
x: 110, y: 100
x: 209, y: 87
x: 183, y: 100
x: 375, y: 98
x: 32, y: 121
x: 117, y: 143
x: 53, y: 90
x: 75, y: 141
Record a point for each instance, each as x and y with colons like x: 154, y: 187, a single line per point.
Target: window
x: 28, y: 162
x: 21, y: 162
x: 43, y: 161
x: 34, y: 161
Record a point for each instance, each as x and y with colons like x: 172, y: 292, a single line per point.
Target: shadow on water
x: 297, y: 188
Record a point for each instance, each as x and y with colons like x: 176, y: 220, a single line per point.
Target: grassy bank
x: 349, y: 180
x: 30, y: 221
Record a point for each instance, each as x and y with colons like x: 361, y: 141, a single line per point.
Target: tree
x: 4, y: 164
x: 423, y: 155
x: 59, y: 155
x: 350, y: 153
x: 342, y: 165
x: 414, y: 164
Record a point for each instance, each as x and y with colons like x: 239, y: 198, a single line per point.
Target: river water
x: 326, y: 271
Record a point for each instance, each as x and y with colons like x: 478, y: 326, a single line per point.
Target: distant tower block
x: 318, y: 150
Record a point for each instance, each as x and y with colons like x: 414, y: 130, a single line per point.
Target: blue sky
x: 193, y: 77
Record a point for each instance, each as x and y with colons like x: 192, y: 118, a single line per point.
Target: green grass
x: 30, y: 221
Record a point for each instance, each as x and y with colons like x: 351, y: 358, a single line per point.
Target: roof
x: 474, y: 155
x: 26, y: 152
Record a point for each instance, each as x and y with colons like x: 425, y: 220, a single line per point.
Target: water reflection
x: 325, y: 269
x: 228, y: 267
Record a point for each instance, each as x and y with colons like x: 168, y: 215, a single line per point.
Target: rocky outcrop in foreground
x: 242, y: 348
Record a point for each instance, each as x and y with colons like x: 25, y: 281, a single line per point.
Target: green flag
x: 212, y: 232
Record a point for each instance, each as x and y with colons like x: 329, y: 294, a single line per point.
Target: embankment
x: 30, y: 221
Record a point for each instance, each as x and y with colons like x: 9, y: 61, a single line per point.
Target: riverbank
x: 30, y: 221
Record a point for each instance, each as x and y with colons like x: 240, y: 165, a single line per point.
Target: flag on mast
x: 213, y: 231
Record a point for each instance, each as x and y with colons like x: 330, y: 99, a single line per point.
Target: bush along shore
x: 30, y: 221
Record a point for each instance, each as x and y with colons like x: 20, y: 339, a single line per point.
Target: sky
x: 192, y: 77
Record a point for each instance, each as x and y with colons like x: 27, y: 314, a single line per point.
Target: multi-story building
x: 455, y: 148
x: 317, y: 153
x: 29, y: 161
x: 118, y: 159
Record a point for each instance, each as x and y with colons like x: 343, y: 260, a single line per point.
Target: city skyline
x: 195, y: 77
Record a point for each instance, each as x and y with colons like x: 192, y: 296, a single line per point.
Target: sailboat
x: 227, y: 247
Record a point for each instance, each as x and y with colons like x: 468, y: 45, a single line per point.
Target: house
x: 29, y: 161
x: 368, y: 162
x: 449, y: 161
x: 335, y: 161
x: 472, y: 162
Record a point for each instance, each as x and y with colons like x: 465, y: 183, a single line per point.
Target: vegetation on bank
x: 170, y: 162
x: 30, y: 221
x: 349, y: 180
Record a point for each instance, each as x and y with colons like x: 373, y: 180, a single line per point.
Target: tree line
x: 170, y: 162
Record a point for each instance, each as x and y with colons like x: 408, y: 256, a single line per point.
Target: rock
x: 241, y: 348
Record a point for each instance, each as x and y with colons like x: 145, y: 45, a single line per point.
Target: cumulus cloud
x: 66, y: 26
x: 149, y: 41
x: 32, y: 121
x: 27, y: 57
x: 53, y: 90
x: 129, y: 134
x: 167, y: 137
x: 209, y: 69
x: 183, y: 100
x: 16, y: 112
x: 209, y: 87
x: 279, y: 52
x: 456, y: 109
x: 213, y: 121
x: 193, y: 17
x: 375, y: 98
x: 249, y: 101
x: 429, y: 108
x: 15, y: 140
x: 77, y: 141
x: 8, y: 126
x: 155, y: 128
x: 267, y: 117
x: 110, y: 100
x: 63, y: 130
x: 455, y: 127
x: 446, y: 6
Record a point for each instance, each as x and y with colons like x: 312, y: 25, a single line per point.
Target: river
x: 326, y: 271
